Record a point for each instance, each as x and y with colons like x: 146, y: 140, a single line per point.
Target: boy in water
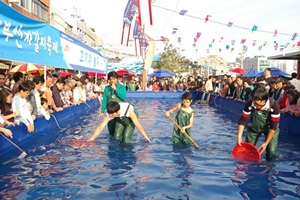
x: 184, y: 118
x: 265, y: 118
x: 126, y: 118
x: 115, y: 91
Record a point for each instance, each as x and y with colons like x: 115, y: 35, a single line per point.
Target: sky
x: 284, y: 15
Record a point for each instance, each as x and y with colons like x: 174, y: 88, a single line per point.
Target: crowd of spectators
x: 23, y: 98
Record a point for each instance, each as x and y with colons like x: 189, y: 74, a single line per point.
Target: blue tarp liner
x: 161, y: 73
x: 23, y: 39
x: 276, y: 72
x: 43, y: 126
x: 251, y: 73
x: 288, y: 123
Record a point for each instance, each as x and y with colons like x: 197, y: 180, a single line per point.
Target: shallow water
x: 157, y: 170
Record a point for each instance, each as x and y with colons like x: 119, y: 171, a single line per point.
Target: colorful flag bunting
x: 210, y: 45
x: 182, y: 12
x: 286, y: 45
x: 174, y: 31
x: 281, y: 49
x: 213, y: 41
x: 220, y: 50
x: 259, y: 48
x: 232, y: 42
x: 243, y: 41
x: 294, y: 36
x: 231, y: 50
x: 253, y: 43
x: 275, y: 33
x: 179, y: 39
x: 207, y: 18
x: 229, y: 24
x: 227, y: 47
x: 265, y: 43
x: 254, y: 28
x: 298, y: 44
x: 221, y: 39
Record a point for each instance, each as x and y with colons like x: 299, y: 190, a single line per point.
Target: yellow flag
x: 149, y: 52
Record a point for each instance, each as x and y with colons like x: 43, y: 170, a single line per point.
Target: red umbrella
x: 99, y: 75
x: 121, y: 72
x: 64, y: 74
x: 238, y: 71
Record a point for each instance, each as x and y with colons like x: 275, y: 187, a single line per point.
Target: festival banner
x: 129, y: 11
x: 23, y: 39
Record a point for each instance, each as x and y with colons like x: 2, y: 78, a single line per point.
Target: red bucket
x: 247, y: 152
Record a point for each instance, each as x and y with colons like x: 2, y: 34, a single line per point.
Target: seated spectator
x: 19, y: 103
x: 292, y: 103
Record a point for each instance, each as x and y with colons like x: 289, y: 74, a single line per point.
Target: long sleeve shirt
x: 20, y: 104
x: 274, y: 109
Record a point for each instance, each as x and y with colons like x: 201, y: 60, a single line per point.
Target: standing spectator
x: 209, y: 85
x: 2, y: 81
x: 31, y: 102
x: 279, y: 90
x: 295, y: 82
x: 18, y: 78
x: 48, y: 93
x: 56, y: 90
x: 38, y: 82
x: 5, y: 105
x: 19, y: 104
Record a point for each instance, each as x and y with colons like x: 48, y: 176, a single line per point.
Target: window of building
x: 40, y: 10
x: 26, y: 4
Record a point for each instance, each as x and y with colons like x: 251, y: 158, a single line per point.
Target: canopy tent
x: 276, y: 72
x: 161, y: 73
x: 251, y: 73
x: 287, y: 56
x: 209, y: 68
x: 122, y: 72
x: 48, y: 45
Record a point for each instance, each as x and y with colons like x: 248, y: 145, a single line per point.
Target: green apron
x: 182, y: 119
x: 260, y: 123
x: 131, y: 87
x: 124, y: 128
x: 112, y: 97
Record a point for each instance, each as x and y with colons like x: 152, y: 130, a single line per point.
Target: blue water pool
x: 157, y: 170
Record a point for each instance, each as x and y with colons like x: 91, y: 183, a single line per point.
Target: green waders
x: 112, y: 123
x: 182, y: 119
x: 124, y: 128
x: 261, y: 124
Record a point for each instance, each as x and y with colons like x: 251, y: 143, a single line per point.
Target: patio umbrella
x: 276, y: 72
x: 121, y: 72
x: 64, y: 74
x: 28, y: 68
x: 162, y: 73
x: 251, y: 73
x: 99, y: 75
x: 238, y: 71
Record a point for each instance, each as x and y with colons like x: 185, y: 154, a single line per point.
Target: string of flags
x: 254, y: 28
